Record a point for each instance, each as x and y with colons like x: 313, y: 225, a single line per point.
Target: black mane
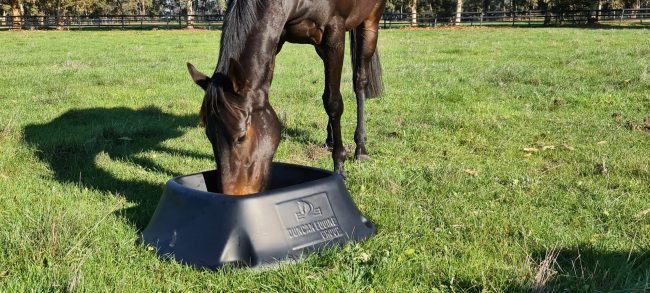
x: 240, y: 18
x: 239, y: 21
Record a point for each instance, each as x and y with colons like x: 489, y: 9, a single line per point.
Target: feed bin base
x: 304, y: 210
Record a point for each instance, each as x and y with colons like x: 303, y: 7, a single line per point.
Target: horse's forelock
x: 209, y: 104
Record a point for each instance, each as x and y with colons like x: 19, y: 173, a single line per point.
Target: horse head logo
x: 305, y: 209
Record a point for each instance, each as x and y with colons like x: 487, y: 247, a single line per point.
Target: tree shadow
x: 604, y: 26
x: 580, y: 268
x: 586, y: 269
x: 72, y: 143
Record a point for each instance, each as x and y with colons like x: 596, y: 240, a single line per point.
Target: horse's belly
x: 304, y: 32
x: 310, y: 18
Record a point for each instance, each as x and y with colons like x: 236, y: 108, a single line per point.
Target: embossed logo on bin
x: 309, y: 220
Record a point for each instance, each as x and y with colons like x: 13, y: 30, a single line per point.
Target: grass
x: 502, y: 160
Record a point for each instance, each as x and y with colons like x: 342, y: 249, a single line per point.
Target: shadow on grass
x: 576, y: 269
x: 605, y: 26
x: 71, y: 144
x: 585, y: 269
x: 300, y: 135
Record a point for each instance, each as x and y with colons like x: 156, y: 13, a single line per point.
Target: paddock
x: 502, y: 159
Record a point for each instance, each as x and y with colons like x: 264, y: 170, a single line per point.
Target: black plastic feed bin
x: 303, y: 210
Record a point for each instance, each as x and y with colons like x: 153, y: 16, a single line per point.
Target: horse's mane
x: 239, y: 21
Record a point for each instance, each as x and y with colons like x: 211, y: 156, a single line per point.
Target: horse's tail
x: 375, y: 85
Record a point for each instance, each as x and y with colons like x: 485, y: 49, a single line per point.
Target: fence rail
x: 389, y: 20
x: 114, y: 22
x: 533, y: 17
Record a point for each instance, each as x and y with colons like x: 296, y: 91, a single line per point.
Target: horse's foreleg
x: 331, y: 50
x: 364, y: 43
x: 329, y: 140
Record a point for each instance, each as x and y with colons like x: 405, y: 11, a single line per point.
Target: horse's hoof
x: 361, y: 157
x: 360, y: 154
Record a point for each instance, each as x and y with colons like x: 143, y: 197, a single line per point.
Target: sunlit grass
x: 490, y: 148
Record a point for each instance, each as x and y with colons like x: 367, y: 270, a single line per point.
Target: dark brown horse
x: 241, y: 125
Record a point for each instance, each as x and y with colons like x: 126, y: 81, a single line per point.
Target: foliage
x: 448, y: 6
x: 94, y: 7
x: 90, y: 7
x: 501, y: 160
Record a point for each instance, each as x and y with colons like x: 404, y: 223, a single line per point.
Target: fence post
x: 513, y: 18
x: 620, y: 22
x: 482, y: 15
x: 122, y: 22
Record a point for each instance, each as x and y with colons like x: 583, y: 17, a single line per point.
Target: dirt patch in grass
x: 316, y: 152
x: 643, y: 126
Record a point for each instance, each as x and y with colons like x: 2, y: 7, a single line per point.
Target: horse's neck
x: 254, y: 47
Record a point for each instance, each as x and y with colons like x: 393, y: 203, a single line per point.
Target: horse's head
x: 243, y: 129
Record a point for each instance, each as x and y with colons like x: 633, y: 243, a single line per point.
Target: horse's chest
x: 304, y: 32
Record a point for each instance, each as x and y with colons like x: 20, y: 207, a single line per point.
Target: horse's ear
x: 199, y: 78
x: 237, y: 76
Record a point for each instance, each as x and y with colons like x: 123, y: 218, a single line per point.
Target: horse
x: 240, y: 124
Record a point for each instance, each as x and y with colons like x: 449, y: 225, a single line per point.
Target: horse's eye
x: 240, y: 139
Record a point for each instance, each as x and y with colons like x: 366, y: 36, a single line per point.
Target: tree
x: 123, y: 7
x: 414, y: 13
x: 58, y: 8
x: 17, y: 10
x: 143, y: 9
x: 459, y: 12
x: 190, y: 14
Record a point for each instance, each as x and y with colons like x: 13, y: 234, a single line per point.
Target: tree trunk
x: 637, y: 6
x: 60, y: 14
x: 221, y: 6
x: 547, y: 18
x: 143, y: 10
x: 414, y: 13
x: 17, y: 15
x: 459, y: 12
x: 593, y: 13
x: 190, y: 15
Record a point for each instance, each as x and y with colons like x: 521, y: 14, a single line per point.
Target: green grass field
x: 502, y: 160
